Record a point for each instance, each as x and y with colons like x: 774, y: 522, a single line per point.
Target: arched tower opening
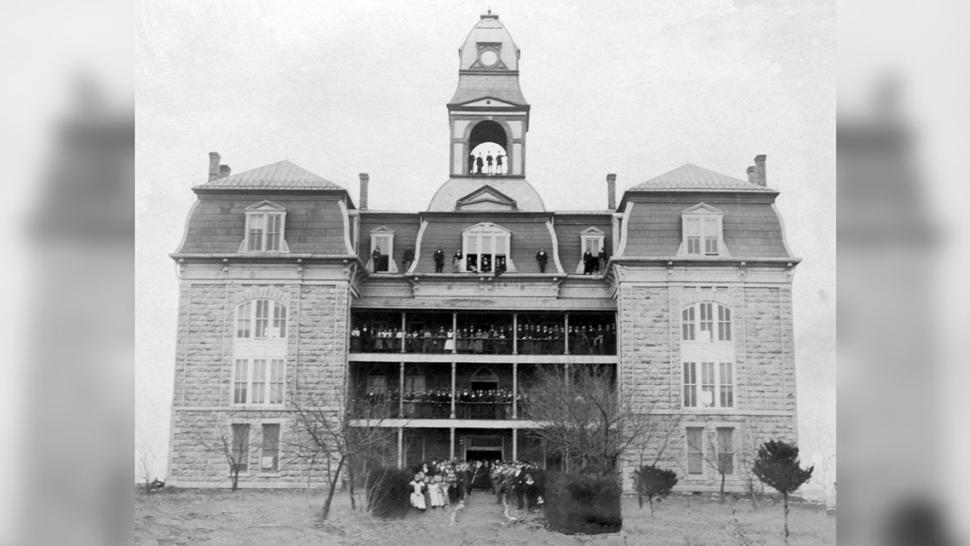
x: 488, y: 146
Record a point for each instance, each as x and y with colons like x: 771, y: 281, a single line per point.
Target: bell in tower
x: 489, y: 117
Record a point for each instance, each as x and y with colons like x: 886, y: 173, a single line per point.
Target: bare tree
x: 145, y: 466
x: 718, y: 458
x: 234, y: 448
x: 342, y: 434
x: 582, y: 417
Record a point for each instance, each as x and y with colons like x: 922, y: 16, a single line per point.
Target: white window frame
x: 258, y: 216
x: 708, y: 360
x: 484, y: 239
x: 262, y: 382
x: 377, y: 236
x: 719, y: 449
x: 275, y: 465
x: 702, y: 228
x: 699, y: 377
x: 688, y: 451
x: 244, y: 452
x: 261, y: 315
x: 592, y: 235
x: 716, y: 316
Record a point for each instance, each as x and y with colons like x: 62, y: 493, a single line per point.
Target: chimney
x: 224, y: 171
x: 759, y: 163
x: 752, y: 174
x: 364, y: 181
x: 611, y: 191
x: 214, y: 165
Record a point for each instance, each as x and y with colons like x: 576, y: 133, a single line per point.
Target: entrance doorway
x: 484, y: 448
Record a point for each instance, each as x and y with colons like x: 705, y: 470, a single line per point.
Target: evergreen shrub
x: 582, y: 504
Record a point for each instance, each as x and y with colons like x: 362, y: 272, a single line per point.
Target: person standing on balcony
x: 542, y: 259
x: 439, y: 260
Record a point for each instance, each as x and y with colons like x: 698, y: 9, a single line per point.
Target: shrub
x: 777, y: 466
x: 388, y: 492
x: 651, y: 482
x: 582, y: 504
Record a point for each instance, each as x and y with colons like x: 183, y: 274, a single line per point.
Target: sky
x: 632, y: 88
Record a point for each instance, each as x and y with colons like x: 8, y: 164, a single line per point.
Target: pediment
x: 485, y: 198
x: 381, y: 229
x: 265, y: 206
x: 489, y: 102
x: 702, y: 208
x: 592, y: 230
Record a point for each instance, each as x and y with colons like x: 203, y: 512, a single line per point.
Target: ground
x: 221, y: 517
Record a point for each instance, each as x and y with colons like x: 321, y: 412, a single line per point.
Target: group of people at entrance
x: 438, y: 484
x: 488, y: 164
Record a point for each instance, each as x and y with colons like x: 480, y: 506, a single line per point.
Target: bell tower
x: 488, y: 115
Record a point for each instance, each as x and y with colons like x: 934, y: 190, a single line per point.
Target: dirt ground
x: 217, y: 517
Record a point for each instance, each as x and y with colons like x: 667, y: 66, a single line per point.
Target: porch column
x: 400, y: 393
x: 515, y: 333
x: 451, y: 445
x: 515, y: 444
x: 454, y: 331
x: 515, y: 390
x: 400, y: 447
x: 566, y: 334
x: 404, y: 322
x: 566, y: 377
x: 453, y: 385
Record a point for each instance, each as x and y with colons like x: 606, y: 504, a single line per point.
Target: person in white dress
x: 437, y: 496
x: 417, y: 496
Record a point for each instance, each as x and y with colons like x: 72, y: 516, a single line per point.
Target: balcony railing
x: 495, y: 404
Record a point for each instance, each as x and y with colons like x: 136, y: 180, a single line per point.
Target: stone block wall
x: 316, y: 357
x: 651, y: 373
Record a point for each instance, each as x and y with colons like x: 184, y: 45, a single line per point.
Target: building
x: 289, y: 291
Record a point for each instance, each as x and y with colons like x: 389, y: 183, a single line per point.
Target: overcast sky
x: 635, y: 88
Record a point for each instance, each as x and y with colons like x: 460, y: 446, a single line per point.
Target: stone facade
x: 277, y: 272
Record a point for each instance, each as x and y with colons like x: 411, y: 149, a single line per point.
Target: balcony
x: 471, y: 392
x: 473, y: 333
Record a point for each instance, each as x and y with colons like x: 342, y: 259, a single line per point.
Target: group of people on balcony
x: 531, y: 339
x: 437, y: 484
x: 436, y: 403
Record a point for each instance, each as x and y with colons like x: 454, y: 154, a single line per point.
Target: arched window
x: 488, y: 139
x: 700, y: 323
x: 707, y: 354
x: 485, y: 248
x: 261, y: 319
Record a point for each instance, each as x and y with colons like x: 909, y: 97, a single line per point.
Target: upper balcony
x: 483, y: 333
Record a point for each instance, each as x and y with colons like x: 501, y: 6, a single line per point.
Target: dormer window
x: 591, y: 240
x: 382, y: 251
x: 702, y: 232
x: 485, y: 248
x: 265, y: 224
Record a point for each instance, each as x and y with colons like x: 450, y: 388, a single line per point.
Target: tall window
x: 725, y: 449
x: 270, y: 456
x: 261, y: 319
x: 695, y: 450
x: 259, y: 381
x: 715, y: 388
x: 382, y: 250
x: 702, y: 231
x: 265, y: 224
x: 486, y: 248
x: 240, y: 446
x: 698, y: 322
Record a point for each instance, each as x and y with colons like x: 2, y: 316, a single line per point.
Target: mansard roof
x: 689, y: 177
x: 282, y: 175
